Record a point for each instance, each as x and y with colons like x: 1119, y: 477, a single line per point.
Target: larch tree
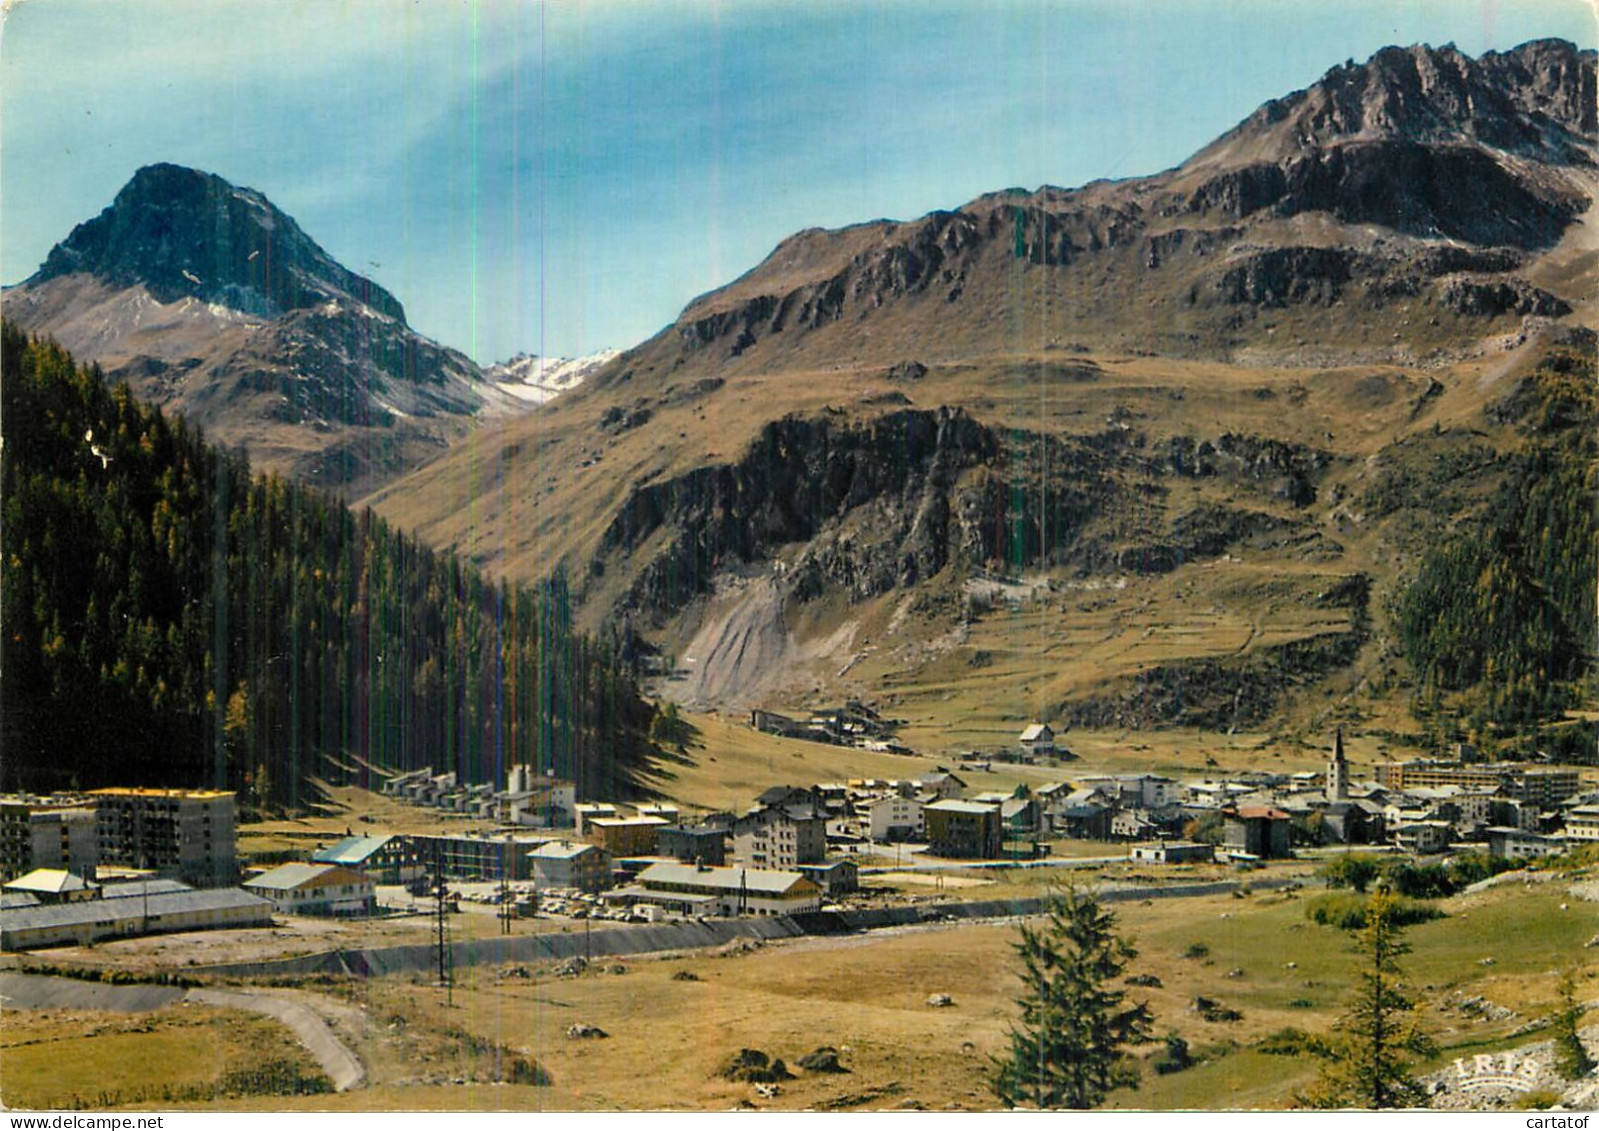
x: 1367, y: 1058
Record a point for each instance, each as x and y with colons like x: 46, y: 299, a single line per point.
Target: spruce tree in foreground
x: 1367, y: 1057
x: 1066, y: 1050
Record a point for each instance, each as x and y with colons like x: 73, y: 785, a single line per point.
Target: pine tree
x: 1067, y: 1049
x: 1367, y: 1058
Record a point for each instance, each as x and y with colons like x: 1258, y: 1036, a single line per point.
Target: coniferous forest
x: 170, y: 619
x: 1498, y: 623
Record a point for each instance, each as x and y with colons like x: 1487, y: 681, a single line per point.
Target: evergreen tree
x: 1367, y: 1057
x: 1066, y: 1050
x: 1571, y: 1058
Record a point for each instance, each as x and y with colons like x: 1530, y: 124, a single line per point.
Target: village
x: 120, y: 863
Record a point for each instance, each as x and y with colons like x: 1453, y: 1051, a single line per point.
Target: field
x: 867, y: 997
x: 86, y: 1058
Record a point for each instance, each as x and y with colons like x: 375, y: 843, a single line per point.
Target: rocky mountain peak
x: 185, y: 233
x: 1537, y: 100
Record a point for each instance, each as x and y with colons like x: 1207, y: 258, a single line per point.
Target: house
x: 568, y: 864
x: 1133, y: 824
x: 1037, y: 739
x: 586, y: 811
x: 1423, y: 837
x: 661, y: 811
x: 1083, y: 815
x: 387, y: 859
x: 705, y: 890
x: 625, y: 836
x: 1519, y: 844
x: 1582, y: 823
x: 1257, y: 830
x: 945, y: 785
x: 780, y: 836
x: 834, y: 877
x: 963, y: 830
x: 90, y: 921
x: 1137, y: 791
x: 1352, y: 822
x: 536, y: 801
x: 893, y: 818
x: 690, y: 844
x: 316, y: 889
x: 54, y: 885
x: 1019, y: 817
x: 1171, y: 852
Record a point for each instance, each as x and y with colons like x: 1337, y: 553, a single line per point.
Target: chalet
x: 963, y: 830
x: 705, y: 890
x: 315, y: 889
x: 1082, y: 814
x: 945, y: 785
x: 569, y: 864
x: 1037, y: 739
x: 834, y: 877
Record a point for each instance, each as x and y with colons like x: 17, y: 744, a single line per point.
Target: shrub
x: 1196, y: 950
x: 1347, y: 911
x: 1289, y: 1041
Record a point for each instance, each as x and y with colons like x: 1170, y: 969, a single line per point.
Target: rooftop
x: 142, y: 791
x: 759, y: 881
x: 287, y: 877
x: 99, y: 911
x: 54, y: 881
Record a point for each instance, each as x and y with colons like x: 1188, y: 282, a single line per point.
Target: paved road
x: 37, y: 991
x: 341, y: 1065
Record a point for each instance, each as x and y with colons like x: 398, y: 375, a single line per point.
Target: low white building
x: 89, y: 921
x: 316, y: 889
x: 705, y: 890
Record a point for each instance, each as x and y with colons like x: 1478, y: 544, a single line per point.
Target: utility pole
x: 441, y: 911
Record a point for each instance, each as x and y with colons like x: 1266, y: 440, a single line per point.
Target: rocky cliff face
x: 1354, y: 189
x: 211, y: 301
x: 185, y: 233
x: 1164, y: 403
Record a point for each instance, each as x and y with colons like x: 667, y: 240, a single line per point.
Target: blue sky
x: 561, y: 177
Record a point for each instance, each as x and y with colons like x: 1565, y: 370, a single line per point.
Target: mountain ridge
x: 1171, y: 385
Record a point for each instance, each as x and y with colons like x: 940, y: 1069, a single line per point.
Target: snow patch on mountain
x: 534, y: 380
